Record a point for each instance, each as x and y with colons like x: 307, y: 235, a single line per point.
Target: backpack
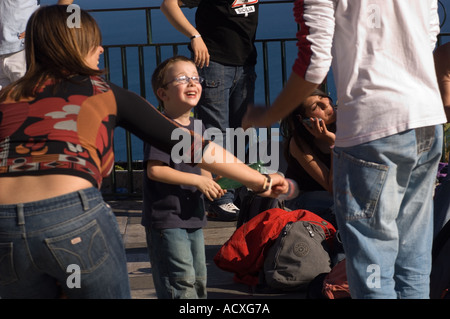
x: 440, y: 271
x: 244, y: 252
x: 298, y: 255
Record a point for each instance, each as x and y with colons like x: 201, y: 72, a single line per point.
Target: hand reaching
x: 209, y: 187
x: 255, y: 117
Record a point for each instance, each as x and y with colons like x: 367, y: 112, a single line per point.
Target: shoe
x: 224, y: 212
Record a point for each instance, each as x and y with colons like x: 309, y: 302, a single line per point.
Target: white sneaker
x: 226, y: 212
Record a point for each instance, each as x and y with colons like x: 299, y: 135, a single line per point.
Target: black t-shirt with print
x: 228, y: 28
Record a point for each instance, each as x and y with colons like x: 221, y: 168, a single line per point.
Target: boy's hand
x: 209, y: 187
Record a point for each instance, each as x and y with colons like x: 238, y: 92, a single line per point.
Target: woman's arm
x: 143, y: 120
x: 220, y: 162
x: 312, y: 164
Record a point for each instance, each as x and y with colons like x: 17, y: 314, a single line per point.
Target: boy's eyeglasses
x: 185, y: 80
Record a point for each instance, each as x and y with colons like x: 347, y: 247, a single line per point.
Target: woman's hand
x: 279, y: 186
x: 319, y: 130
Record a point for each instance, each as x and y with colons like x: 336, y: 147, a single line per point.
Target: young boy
x: 174, y: 213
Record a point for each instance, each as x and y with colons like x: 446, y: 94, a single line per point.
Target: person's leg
x: 371, y: 182
x: 199, y: 260
x: 158, y: 265
x: 172, y: 263
x: 213, y: 107
x: 214, y: 111
x: 415, y: 220
x: 242, y: 94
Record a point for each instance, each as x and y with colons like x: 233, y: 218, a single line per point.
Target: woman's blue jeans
x: 384, y: 208
x: 178, y: 262
x: 70, y: 242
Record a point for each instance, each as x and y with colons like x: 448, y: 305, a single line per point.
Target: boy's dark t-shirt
x: 167, y: 205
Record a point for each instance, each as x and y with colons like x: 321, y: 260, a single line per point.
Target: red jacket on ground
x: 243, y: 253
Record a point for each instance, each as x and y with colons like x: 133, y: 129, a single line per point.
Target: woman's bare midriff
x: 23, y: 189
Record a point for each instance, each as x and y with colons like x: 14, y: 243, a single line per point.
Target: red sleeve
x: 315, y: 38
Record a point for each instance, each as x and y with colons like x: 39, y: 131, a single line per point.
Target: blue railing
x: 125, y: 62
x: 126, y: 178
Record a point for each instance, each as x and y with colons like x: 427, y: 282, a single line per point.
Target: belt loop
x: 20, y: 215
x: 84, y: 199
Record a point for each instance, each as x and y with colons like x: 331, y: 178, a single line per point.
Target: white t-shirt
x: 382, y: 58
x: 14, y: 15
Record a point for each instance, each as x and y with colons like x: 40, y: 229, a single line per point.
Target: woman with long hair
x: 56, y: 145
x: 308, y: 136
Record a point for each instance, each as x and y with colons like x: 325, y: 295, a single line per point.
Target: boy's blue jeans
x: 72, y: 240
x: 178, y: 262
x: 383, y: 200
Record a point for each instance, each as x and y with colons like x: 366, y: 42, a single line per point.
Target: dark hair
x: 54, y: 50
x: 291, y: 125
x: 158, y: 77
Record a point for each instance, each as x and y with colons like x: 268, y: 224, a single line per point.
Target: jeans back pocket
x: 358, y: 191
x: 85, y: 247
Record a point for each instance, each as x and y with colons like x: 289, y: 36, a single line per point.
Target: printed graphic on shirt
x: 242, y: 6
x: 238, y: 3
x: 49, y: 134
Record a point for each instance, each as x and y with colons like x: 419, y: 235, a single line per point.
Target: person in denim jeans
x: 222, y: 44
x: 388, y: 137
x: 442, y: 197
x: 56, y: 146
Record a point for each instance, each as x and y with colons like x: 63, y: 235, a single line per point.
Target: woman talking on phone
x: 308, y: 136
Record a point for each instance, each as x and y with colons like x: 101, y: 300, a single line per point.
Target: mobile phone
x: 309, y: 122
